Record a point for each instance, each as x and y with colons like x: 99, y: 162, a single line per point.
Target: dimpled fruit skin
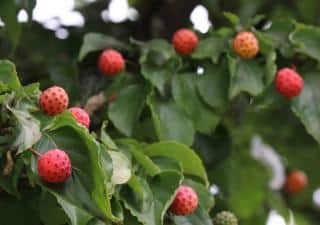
x: 81, y: 116
x: 111, y: 62
x: 54, y: 166
x: 296, y: 182
x: 185, y: 41
x: 54, y: 100
x: 225, y: 218
x: 288, y: 83
x: 246, y: 45
x: 185, y: 201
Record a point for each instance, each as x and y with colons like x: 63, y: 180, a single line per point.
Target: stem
x: 35, y: 152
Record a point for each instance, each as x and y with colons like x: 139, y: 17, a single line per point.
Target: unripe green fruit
x: 225, y: 218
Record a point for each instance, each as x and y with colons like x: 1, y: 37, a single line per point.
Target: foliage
x: 174, y: 120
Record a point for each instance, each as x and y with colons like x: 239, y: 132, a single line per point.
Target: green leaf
x: 121, y: 168
x: 170, y: 121
x: 149, y: 201
x: 66, y: 76
x: 240, y: 176
x: 29, y: 130
x: 266, y: 42
x: 135, y: 149
x: 145, y: 162
x: 210, y: 48
x: 185, y: 94
x: 304, y: 106
x: 160, y: 75
x: 107, y: 166
x: 306, y: 39
x: 105, y: 138
x: 8, y: 13
x: 280, y: 30
x: 158, y: 63
x: 165, y: 163
x: 19, y: 211
x: 124, y: 112
x: 200, y: 216
x: 8, y: 74
x: 232, y: 18
x: 189, y: 160
x: 159, y: 46
x: 95, y: 42
x: 86, y: 188
x: 213, y: 85
x: 245, y: 75
x: 76, y: 215
x: 50, y: 212
x: 130, y: 219
x: 270, y: 67
x: 213, y: 148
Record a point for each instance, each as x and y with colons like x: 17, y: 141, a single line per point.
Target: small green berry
x: 225, y: 218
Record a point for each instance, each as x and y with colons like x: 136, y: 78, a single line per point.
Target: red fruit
x: 288, y: 83
x: 81, y: 116
x: 54, y: 100
x: 296, y: 182
x: 246, y: 45
x: 185, y: 41
x: 54, y: 166
x: 111, y: 62
x: 185, y: 201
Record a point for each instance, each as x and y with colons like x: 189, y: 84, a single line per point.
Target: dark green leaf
x: 95, y: 42
x: 8, y: 74
x: 240, y: 176
x: 159, y: 46
x: 170, y: 121
x: 245, y: 75
x: 233, y: 19
x: 18, y: 211
x: 50, y: 212
x: 185, y: 94
x: 210, y: 48
x: 76, y: 215
x: 306, y: 39
x: 105, y: 138
x: 124, y: 112
x: 159, y: 76
x: 213, y: 85
x: 149, y: 201
x: 305, y: 107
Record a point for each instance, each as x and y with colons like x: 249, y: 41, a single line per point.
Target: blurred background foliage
x: 48, y: 53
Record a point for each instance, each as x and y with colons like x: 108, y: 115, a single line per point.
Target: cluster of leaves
x: 193, y: 94
x: 195, y: 99
x: 112, y: 182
